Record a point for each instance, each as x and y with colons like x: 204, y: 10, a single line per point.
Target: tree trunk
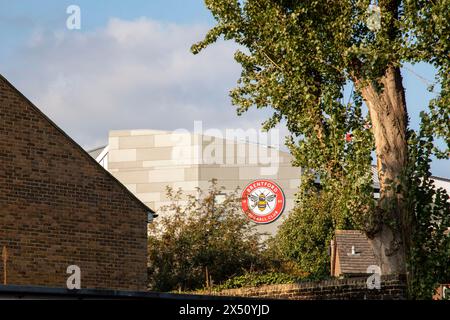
x: 387, y: 109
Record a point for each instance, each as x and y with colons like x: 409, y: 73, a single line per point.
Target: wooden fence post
x: 5, y: 259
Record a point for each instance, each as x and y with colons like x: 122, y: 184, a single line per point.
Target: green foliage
x: 298, y: 57
x: 258, y: 279
x: 304, y: 237
x: 300, y: 54
x: 297, y: 61
x: 188, y: 239
x: 429, y: 261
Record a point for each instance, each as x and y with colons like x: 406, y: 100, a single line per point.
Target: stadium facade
x: 146, y: 161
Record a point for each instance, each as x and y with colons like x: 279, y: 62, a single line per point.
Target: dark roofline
x: 342, y: 231
x: 440, y: 178
x: 433, y: 177
x: 33, y: 106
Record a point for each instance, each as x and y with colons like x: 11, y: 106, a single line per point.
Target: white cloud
x: 129, y: 74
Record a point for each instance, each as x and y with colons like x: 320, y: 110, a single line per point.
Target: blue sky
x: 129, y: 67
x: 19, y: 18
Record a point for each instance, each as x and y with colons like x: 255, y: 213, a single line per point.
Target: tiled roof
x: 363, y: 257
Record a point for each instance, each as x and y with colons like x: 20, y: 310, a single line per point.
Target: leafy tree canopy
x: 298, y: 56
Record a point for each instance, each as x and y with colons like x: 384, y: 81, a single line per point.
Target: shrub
x: 254, y: 279
x: 304, y: 237
x: 201, y: 238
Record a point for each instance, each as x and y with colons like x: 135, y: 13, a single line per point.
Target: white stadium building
x: 146, y: 161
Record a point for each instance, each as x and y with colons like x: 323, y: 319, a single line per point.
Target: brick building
x: 58, y: 207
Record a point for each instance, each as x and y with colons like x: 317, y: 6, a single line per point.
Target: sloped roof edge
x: 132, y: 196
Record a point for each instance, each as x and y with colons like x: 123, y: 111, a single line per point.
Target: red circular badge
x: 263, y: 201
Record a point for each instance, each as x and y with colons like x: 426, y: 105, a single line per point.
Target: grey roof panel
x: 94, y: 153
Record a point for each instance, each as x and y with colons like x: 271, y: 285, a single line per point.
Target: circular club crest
x: 263, y: 201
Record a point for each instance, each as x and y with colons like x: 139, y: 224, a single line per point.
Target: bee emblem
x: 262, y: 201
